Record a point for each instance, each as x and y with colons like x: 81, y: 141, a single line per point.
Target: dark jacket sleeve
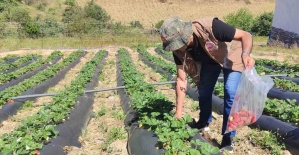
x: 222, y: 31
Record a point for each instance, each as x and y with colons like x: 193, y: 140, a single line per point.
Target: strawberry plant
x: 153, y: 113
x: 286, y: 84
x: 4, y: 77
x: 219, y: 89
x: 156, y: 60
x: 286, y: 110
x: 277, y: 65
x: 7, y: 57
x: 17, y: 63
x: 43, y: 75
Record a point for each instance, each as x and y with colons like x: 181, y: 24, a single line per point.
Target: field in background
x: 149, y: 12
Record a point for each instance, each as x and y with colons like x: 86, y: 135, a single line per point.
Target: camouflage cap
x: 175, y: 33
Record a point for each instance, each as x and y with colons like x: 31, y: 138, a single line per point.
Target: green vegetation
x: 38, y: 78
x: 244, y: 19
x: 64, y: 24
x: 267, y: 140
x: 241, y: 19
x: 37, y: 129
x: 18, y: 62
x: 286, y: 110
x: 5, y: 77
x: 153, y: 112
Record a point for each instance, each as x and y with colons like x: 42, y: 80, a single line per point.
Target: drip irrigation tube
x: 86, y: 91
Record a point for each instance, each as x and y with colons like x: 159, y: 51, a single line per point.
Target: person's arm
x: 226, y: 33
x: 246, y: 39
x: 180, y: 88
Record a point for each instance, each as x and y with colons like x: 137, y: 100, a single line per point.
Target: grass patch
x: 129, y: 40
x: 273, y: 49
x: 260, y: 40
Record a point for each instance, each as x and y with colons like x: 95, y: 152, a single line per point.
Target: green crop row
x: 40, y: 77
x: 160, y: 48
x: 278, y: 65
x: 17, y: 63
x: 7, y: 57
x: 156, y: 60
x: 39, y: 128
x: 6, y: 77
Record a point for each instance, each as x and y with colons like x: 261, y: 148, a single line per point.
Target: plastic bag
x: 249, y: 101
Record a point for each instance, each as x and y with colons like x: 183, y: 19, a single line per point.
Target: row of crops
x: 152, y: 128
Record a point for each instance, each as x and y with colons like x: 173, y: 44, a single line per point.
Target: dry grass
x: 150, y: 12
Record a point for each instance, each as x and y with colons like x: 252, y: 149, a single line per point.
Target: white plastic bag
x: 249, y: 100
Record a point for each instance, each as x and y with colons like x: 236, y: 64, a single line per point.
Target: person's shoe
x: 200, y: 126
x: 227, y: 144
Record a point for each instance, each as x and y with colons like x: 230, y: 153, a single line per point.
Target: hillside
x: 150, y: 12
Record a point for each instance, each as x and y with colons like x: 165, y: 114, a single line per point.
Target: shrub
x: 159, y: 24
x: 118, y: 28
x: 262, y: 24
x: 32, y: 29
x: 41, y: 6
x: 71, y: 13
x: 50, y: 27
x: 7, y: 5
x: 36, y: 2
x: 80, y: 26
x: 18, y: 15
x: 241, y: 19
x: 29, y: 2
x: 136, y: 24
x: 96, y: 12
x: 70, y: 2
x: 3, y: 30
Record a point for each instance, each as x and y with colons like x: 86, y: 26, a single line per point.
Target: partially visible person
x: 202, y: 49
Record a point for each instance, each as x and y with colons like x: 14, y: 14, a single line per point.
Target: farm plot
x: 280, y: 109
x: 109, y: 122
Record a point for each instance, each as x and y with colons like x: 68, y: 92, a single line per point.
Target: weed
x: 100, y: 113
x: 267, y: 140
x: 194, y: 106
x: 118, y: 115
x: 27, y: 104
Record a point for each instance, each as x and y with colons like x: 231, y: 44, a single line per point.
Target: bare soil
x: 96, y: 134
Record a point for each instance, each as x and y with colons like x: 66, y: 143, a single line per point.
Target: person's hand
x: 247, y: 60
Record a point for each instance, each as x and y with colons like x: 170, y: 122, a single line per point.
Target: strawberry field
x: 131, y: 109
